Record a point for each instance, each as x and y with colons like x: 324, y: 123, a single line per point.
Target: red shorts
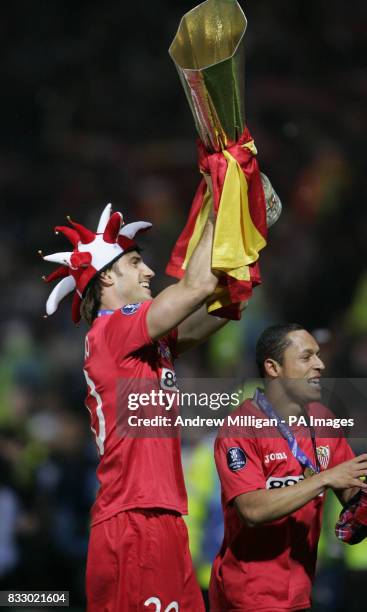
x: 140, y: 560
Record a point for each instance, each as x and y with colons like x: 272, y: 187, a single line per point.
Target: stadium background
x: 92, y: 111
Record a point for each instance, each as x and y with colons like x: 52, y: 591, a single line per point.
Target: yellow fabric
x: 251, y: 147
x: 219, y: 299
x: 237, y: 241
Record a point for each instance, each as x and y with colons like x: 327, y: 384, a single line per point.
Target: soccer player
x: 274, y: 481
x: 138, y: 555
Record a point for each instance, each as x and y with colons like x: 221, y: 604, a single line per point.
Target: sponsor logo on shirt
x: 130, y: 309
x: 323, y: 455
x: 236, y: 459
x: 275, y: 457
x: 277, y: 482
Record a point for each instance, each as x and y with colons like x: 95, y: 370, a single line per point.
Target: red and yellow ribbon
x: 237, y: 196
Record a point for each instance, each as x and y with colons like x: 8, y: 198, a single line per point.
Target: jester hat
x: 93, y: 252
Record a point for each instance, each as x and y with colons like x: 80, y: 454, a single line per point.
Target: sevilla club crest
x: 323, y: 455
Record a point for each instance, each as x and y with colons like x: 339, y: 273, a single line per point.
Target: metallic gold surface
x: 208, y: 51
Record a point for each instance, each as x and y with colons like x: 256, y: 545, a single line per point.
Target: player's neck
x: 111, y: 301
x: 284, y: 405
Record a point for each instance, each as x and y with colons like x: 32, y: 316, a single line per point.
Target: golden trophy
x: 208, y: 52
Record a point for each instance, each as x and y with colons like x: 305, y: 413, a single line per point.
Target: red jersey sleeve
x: 239, y: 467
x: 126, y: 330
x: 342, y: 452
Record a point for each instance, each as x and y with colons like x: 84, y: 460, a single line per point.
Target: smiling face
x: 300, y: 368
x: 127, y: 282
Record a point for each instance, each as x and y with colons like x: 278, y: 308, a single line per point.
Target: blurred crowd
x: 93, y: 112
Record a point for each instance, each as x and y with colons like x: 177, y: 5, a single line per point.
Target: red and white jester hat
x: 92, y: 253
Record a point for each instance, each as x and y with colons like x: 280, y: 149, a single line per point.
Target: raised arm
x: 198, y: 326
x: 177, y: 302
x: 266, y: 505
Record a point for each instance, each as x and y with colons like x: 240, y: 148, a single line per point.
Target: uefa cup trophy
x: 208, y: 52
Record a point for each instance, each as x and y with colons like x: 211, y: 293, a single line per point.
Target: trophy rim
x: 229, y: 57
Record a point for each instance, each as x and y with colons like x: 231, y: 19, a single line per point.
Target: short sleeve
x: 239, y: 467
x: 126, y: 330
x: 330, y: 439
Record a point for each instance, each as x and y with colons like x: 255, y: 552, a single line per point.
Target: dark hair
x: 92, y: 301
x: 273, y: 342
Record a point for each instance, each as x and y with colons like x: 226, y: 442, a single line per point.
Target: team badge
x: 130, y: 309
x: 323, y: 455
x: 236, y: 459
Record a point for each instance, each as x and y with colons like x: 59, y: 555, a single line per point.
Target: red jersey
x: 269, y: 567
x: 143, y: 472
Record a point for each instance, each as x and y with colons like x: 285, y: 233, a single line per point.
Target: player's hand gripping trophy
x: 208, y: 51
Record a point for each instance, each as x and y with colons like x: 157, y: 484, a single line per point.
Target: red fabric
x: 75, y: 307
x: 112, y: 228
x: 352, y: 523
x: 82, y: 275
x: 215, y: 164
x: 174, y: 266
x: 126, y: 243
x: 138, y: 560
x: 86, y: 236
x: 269, y: 567
x: 70, y: 233
x: 60, y: 272
x: 139, y: 471
x: 80, y: 260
